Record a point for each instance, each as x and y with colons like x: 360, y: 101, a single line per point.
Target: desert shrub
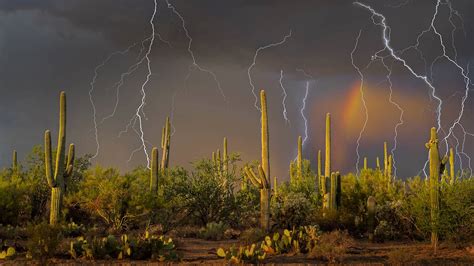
x: 456, y: 222
x: 247, y: 211
x: 252, y: 235
x: 213, y: 231
x: 332, y: 246
x: 110, y: 197
x: 206, y: 196
x: 43, y: 241
x: 291, y: 210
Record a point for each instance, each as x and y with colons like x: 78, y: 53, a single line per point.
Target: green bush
x: 213, y: 231
x: 43, y: 241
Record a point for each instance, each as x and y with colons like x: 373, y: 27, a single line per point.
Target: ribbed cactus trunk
x: 321, y: 179
x: 154, y: 171
x: 365, y: 163
x: 327, y: 160
x: 338, y: 190
x: 299, y: 160
x: 385, y: 158
x: 165, y: 145
x: 63, y: 169
x: 436, y: 168
x: 225, y: 163
x: 275, y: 186
x: 389, y: 170
x: 371, y: 217
x: 332, y: 193
x: 451, y: 166
x: 265, y: 191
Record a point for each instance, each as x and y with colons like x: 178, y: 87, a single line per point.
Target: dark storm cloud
x: 50, y: 45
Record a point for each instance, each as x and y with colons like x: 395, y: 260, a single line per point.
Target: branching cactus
x: 371, y: 217
x: 62, y: 169
x: 436, y: 169
x: 262, y: 181
x: 155, y: 168
x: 165, y: 145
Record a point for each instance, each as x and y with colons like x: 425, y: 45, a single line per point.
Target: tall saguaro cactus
x: 385, y: 158
x: 262, y: 181
x: 365, y: 163
x: 451, y: 165
x: 225, y: 163
x: 299, y: 160
x: 62, y: 169
x: 165, y: 144
x: 327, y: 163
x: 436, y: 169
x: 335, y: 191
x: 155, y: 167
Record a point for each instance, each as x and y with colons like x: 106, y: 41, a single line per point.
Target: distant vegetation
x: 53, y: 197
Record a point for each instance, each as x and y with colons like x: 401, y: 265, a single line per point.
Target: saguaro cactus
x: 155, y: 167
x: 436, y: 169
x: 327, y: 161
x: 225, y: 163
x: 378, y: 163
x: 371, y: 217
x: 365, y: 163
x: 299, y: 160
x: 165, y: 144
x: 385, y: 158
x: 15, y: 161
x: 262, y: 181
x: 275, y: 186
x: 63, y: 169
x: 389, y: 169
x: 451, y: 166
x: 321, y: 178
x: 335, y: 191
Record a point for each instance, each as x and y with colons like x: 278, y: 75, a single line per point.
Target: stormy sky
x: 52, y: 45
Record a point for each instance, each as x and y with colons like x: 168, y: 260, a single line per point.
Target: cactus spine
x: 155, y: 167
x: 299, y: 160
x: 62, y: 169
x: 436, y: 169
x: 371, y: 217
x: 262, y: 181
x: 165, y: 145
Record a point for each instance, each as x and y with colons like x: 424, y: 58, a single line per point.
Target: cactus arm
x: 299, y: 160
x: 252, y: 177
x: 263, y: 179
x: 70, y: 161
x: 48, y: 159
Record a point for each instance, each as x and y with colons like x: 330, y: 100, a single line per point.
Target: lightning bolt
x: 427, y: 80
x: 285, y: 114
x: 303, y: 105
x: 194, y: 64
x: 362, y: 97
x: 254, y: 62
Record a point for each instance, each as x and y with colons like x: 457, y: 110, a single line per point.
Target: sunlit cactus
x: 385, y: 159
x: 322, y: 187
x: 451, y: 166
x: 327, y: 161
x: 155, y: 167
x: 62, y: 168
x: 165, y: 145
x: 389, y: 169
x: 371, y: 217
x: 15, y: 161
x: 225, y: 163
x: 275, y: 186
x: 261, y: 180
x: 378, y: 163
x: 335, y: 191
x: 365, y: 163
x: 436, y: 169
x: 299, y: 160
